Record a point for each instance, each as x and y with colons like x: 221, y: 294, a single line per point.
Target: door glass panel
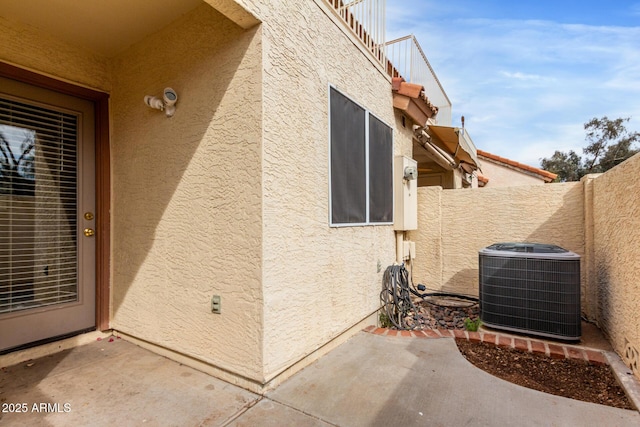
x: 38, y: 221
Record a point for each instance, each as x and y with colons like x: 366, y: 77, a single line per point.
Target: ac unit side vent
x: 532, y: 291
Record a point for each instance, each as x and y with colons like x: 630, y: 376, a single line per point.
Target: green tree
x: 568, y: 166
x: 609, y: 144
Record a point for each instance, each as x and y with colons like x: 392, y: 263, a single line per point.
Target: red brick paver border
x: 538, y: 347
x: 595, y: 357
x: 459, y: 333
x: 504, y: 341
x: 489, y: 338
x: 431, y: 333
x: 520, y: 344
x: 557, y: 351
x: 474, y: 336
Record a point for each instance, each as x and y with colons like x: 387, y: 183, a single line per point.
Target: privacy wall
x: 598, y: 218
x: 616, y: 251
x: 453, y: 225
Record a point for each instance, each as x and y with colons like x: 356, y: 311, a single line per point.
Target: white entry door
x: 47, y: 205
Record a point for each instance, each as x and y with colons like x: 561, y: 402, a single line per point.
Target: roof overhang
x: 411, y: 99
x: 107, y: 28
x: 457, y: 142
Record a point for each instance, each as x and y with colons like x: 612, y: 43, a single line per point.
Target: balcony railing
x: 366, y: 19
x: 407, y: 60
x: 402, y: 57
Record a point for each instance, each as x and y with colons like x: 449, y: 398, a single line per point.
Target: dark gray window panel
x: 348, y: 161
x: 380, y: 171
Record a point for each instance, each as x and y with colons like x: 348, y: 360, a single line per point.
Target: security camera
x: 170, y: 96
x: 154, y: 102
x: 166, y: 104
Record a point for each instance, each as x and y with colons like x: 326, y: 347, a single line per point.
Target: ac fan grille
x: 538, y: 296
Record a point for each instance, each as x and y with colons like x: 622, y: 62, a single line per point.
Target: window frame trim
x: 367, y: 162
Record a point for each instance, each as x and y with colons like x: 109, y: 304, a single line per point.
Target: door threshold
x: 50, y: 346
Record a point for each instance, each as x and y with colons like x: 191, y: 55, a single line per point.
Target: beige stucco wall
x: 230, y: 196
x: 427, y: 266
x: 318, y: 281
x: 616, y: 234
x: 504, y: 176
x: 455, y: 224
x: 29, y: 48
x: 187, y: 192
x: 403, y: 134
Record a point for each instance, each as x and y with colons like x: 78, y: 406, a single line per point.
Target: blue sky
x: 527, y: 75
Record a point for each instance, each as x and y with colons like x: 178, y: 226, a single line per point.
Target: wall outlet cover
x: 216, y: 304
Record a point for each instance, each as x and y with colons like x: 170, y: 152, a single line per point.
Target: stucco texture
x: 504, y: 176
x: 35, y: 50
x: 616, y: 233
x: 187, y: 192
x: 317, y: 281
x: 455, y: 224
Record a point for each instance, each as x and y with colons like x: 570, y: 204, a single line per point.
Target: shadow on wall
x: 552, y: 214
x: 175, y: 198
x: 565, y: 225
x: 604, y: 303
x: 459, y: 282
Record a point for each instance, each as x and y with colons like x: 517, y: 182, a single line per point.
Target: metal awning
x: 457, y: 142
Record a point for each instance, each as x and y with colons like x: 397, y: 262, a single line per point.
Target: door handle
x: 89, y: 232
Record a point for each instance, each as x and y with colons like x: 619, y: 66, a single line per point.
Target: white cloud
x: 527, y: 87
x: 522, y: 76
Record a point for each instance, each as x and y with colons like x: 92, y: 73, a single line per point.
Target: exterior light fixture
x: 166, y: 104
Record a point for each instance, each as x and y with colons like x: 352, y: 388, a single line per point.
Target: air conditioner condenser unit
x: 531, y: 288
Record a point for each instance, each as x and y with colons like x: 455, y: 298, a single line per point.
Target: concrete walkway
x: 368, y: 381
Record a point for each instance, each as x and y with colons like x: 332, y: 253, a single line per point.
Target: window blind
x: 38, y: 206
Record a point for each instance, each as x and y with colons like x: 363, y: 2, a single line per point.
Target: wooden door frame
x: 103, y: 175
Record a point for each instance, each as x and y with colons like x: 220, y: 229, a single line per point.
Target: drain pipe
x: 399, y: 247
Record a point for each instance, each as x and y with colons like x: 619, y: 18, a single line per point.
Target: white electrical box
x: 405, y: 186
x: 409, y: 250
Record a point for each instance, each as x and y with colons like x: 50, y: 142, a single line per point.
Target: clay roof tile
x: 546, y: 175
x: 414, y: 91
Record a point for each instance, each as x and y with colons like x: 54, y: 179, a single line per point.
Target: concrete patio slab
x: 377, y: 380
x: 268, y: 413
x: 371, y: 380
x: 115, y: 383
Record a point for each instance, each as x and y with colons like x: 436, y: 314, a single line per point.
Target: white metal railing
x: 366, y: 19
x: 407, y: 60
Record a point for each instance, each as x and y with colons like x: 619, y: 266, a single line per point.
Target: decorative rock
x: 448, y: 314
